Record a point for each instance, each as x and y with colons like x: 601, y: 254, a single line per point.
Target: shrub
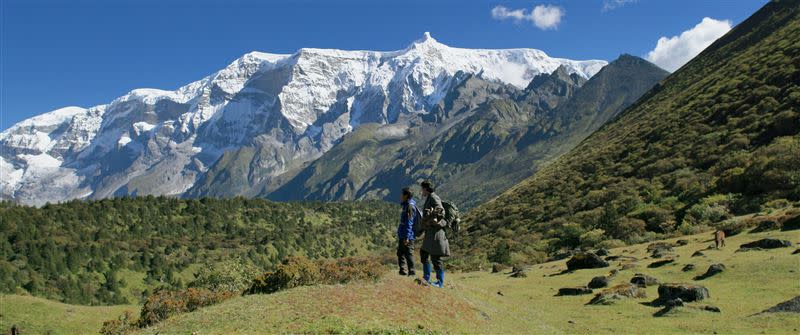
x: 163, y: 304
x: 298, y: 271
x: 125, y: 324
x: 228, y: 276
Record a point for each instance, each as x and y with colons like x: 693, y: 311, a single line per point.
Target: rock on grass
x: 766, y: 243
x: 578, y: 290
x: 643, y: 280
x: 658, y: 264
x: 598, y: 282
x: 686, y: 292
x: 789, y: 306
x: 585, y: 260
x: 712, y: 270
x: 618, y: 292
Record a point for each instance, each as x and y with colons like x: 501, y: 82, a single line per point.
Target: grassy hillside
x: 482, y: 302
x: 717, y: 138
x: 34, y: 315
x: 118, y: 250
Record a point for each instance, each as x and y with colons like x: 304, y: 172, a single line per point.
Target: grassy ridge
x: 717, y: 138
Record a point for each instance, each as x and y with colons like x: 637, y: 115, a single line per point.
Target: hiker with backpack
x: 409, y: 216
x: 434, y: 245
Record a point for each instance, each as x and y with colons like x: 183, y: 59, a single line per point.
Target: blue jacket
x: 405, y: 231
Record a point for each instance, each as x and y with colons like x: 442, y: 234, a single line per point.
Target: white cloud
x: 542, y: 16
x: 613, y: 4
x: 672, y: 52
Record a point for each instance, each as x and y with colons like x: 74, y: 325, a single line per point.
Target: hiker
x: 434, y: 244
x: 405, y: 233
x: 719, y: 238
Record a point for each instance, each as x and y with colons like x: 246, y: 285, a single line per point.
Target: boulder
x: 688, y: 267
x: 789, y: 306
x: 601, y: 252
x: 585, y: 260
x: 643, y: 280
x: 598, y: 282
x: 712, y: 270
x: 518, y: 273
x: 621, y: 291
x: 498, y: 268
x: 660, y: 249
x: 791, y: 224
x: 710, y: 308
x: 658, y: 264
x: 698, y: 253
x: 766, y: 243
x: 796, y: 252
x: 766, y: 225
x: 578, y: 290
x: 686, y: 292
x: 681, y: 242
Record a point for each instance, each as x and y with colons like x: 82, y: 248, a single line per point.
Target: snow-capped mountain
x: 290, y: 108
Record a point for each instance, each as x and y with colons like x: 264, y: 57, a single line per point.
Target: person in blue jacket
x: 405, y: 233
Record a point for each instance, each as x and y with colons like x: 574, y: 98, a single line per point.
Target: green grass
x: 40, y: 316
x: 481, y: 302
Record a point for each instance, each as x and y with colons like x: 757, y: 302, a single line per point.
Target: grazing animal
x: 719, y: 239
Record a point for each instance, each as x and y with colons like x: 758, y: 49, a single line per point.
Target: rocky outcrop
x: 685, y: 292
x: 713, y: 270
x: 619, y: 292
x: 766, y: 243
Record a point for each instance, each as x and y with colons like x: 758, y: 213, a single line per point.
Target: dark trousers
x: 405, y: 256
x: 437, y: 260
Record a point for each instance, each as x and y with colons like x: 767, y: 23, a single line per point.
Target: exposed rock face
x: 714, y: 269
x: 767, y: 243
x: 685, y: 292
x: 585, y: 260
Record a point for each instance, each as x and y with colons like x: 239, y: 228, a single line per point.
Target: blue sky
x: 86, y: 52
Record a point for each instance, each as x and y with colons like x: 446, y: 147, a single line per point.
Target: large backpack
x: 452, y: 216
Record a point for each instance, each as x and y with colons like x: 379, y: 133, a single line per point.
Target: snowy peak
x: 293, y: 108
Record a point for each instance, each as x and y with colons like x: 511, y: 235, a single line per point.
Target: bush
x: 125, y: 324
x: 163, y: 304
x: 300, y: 271
x: 228, y: 276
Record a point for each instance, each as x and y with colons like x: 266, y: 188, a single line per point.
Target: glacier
x: 291, y: 107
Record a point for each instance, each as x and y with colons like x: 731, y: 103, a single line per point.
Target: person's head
x: 406, y: 195
x: 427, y: 187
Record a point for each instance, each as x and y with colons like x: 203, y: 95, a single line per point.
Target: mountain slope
x: 717, y: 137
x: 481, y: 138
x: 280, y: 111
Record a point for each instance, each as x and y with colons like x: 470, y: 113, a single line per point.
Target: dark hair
x: 427, y: 185
x: 407, y: 192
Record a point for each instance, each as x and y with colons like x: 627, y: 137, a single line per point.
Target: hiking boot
x: 403, y: 273
x: 412, y: 274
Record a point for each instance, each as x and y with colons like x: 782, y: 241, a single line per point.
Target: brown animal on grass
x: 719, y: 239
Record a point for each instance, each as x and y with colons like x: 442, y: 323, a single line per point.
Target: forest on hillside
x: 76, y: 251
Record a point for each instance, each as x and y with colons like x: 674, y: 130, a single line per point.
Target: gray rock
x: 578, y: 290
x: 686, y: 292
x: 599, y: 282
x: 688, y: 267
x: 585, y: 260
x: 767, y: 243
x: 658, y: 264
x: 714, y: 269
x: 618, y: 292
x: 643, y: 280
x: 789, y: 306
